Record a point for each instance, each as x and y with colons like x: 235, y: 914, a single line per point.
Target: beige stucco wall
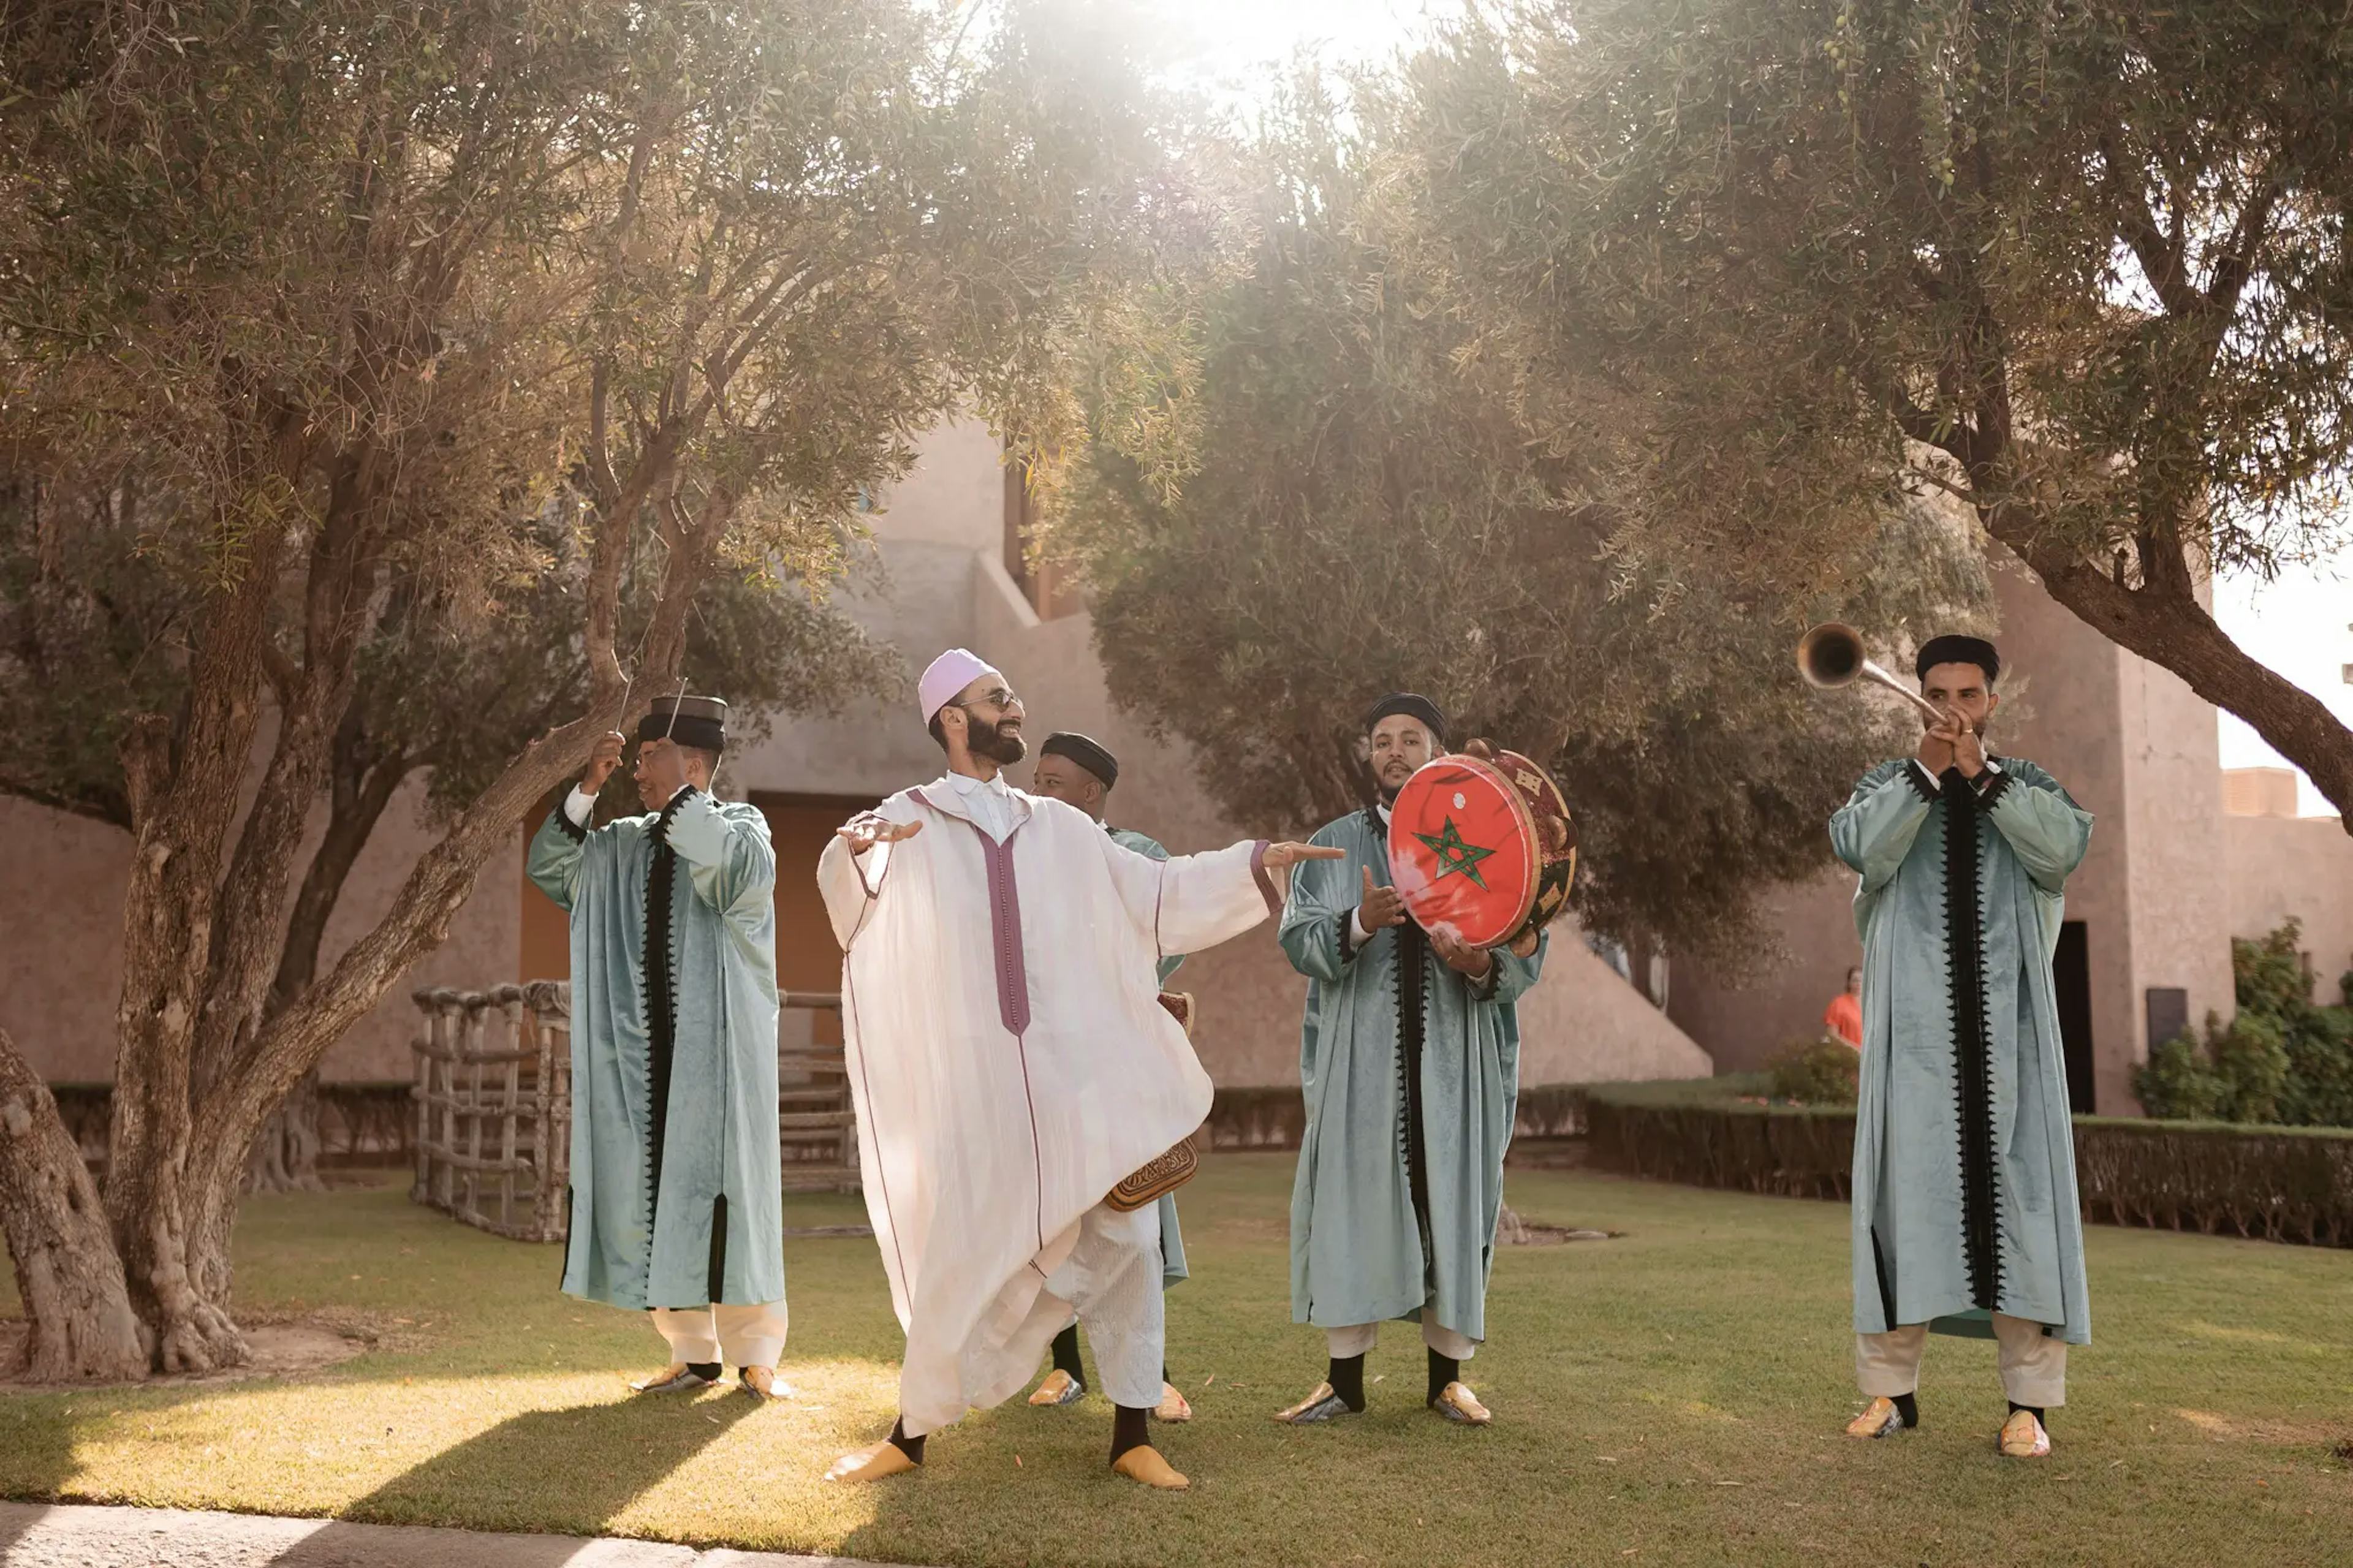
x: 1744, y: 1025
x: 61, y: 969
x: 2300, y: 868
x: 939, y: 538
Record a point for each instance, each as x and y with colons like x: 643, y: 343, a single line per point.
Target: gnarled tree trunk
x: 79, y: 1323
x: 184, y: 799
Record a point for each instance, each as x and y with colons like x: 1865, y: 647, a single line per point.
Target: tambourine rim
x: 1521, y: 814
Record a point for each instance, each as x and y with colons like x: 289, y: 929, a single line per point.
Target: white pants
x: 1112, y: 1279
x: 730, y: 1335
x: 1357, y: 1338
x: 2033, y: 1364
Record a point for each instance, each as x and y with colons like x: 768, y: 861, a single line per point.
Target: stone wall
x: 2300, y: 868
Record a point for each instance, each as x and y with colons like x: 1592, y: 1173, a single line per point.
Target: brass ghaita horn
x: 1831, y: 656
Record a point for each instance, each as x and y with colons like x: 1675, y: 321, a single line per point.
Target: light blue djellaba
x: 716, y: 1233
x: 1172, y: 1239
x: 1964, y: 1196
x: 1360, y: 1252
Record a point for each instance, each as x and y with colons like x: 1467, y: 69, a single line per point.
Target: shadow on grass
x: 590, y: 1461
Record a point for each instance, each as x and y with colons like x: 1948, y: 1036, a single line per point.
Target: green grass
x: 1672, y: 1395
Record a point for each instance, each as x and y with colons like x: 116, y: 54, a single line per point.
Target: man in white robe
x: 1011, y: 1064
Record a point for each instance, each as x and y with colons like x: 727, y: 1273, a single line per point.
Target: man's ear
x: 1993, y: 700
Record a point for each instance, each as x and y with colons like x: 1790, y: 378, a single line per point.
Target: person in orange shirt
x: 1845, y: 1014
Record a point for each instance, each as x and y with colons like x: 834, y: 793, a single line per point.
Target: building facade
x: 2182, y: 858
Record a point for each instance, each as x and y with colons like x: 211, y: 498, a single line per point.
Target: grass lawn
x: 1673, y: 1396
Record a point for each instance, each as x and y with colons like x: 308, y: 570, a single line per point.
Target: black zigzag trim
x: 1990, y: 787
x: 1972, y: 1044
x: 572, y: 830
x: 1920, y: 783
x: 1412, y: 978
x: 660, y: 960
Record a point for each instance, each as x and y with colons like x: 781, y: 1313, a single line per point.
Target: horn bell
x: 1830, y: 655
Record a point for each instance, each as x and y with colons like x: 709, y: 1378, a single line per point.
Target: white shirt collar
x: 964, y: 783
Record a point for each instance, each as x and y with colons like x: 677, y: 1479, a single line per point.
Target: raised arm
x: 851, y: 871
x: 2044, y: 825
x: 1873, y: 830
x: 728, y: 856
x: 554, y: 863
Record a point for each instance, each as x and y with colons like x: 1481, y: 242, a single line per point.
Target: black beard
x: 983, y: 740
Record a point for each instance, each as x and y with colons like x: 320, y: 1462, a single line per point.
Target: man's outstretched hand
x: 1378, y: 907
x: 868, y: 829
x: 1281, y: 857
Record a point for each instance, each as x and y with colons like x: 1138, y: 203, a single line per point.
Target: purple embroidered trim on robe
x: 1004, y: 924
x: 1265, y: 882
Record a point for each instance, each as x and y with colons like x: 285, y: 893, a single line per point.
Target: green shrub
x: 2282, y: 1061
x: 2319, y: 1091
x: 1817, y: 1072
x: 2177, y: 1083
x: 2250, y: 1063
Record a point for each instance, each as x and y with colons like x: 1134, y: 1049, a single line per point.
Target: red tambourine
x: 1483, y: 847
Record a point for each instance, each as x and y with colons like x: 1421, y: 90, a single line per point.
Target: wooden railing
x: 494, y: 1107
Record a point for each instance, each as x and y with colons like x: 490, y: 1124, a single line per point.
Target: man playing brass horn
x: 1965, y: 1211
x: 1409, y: 1056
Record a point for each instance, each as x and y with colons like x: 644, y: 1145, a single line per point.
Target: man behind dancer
x: 676, y: 1201
x: 1011, y: 1064
x: 1411, y: 1070
x: 1079, y: 772
x: 1966, y: 1215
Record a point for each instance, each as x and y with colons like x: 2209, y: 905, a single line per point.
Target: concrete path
x: 33, y: 1536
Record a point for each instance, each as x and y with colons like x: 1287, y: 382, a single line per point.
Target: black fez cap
x: 702, y: 722
x: 1952, y: 649
x: 1088, y: 753
x: 1413, y: 705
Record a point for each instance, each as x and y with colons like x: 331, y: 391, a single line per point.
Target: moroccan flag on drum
x: 1483, y: 847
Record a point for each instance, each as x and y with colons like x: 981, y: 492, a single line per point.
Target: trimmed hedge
x: 1275, y: 1117
x: 2278, y: 1183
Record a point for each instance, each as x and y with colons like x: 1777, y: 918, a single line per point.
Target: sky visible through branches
x: 2300, y: 626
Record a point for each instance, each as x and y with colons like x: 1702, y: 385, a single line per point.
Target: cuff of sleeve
x: 1484, y: 988
x: 1265, y: 883
x: 1990, y: 786
x: 1919, y: 774
x: 575, y: 831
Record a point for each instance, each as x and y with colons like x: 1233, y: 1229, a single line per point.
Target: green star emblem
x: 1454, y: 854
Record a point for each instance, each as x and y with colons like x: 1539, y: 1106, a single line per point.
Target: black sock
x: 1907, y: 1405
x: 1348, y: 1380
x: 1066, y: 1354
x: 911, y: 1446
x: 706, y: 1370
x: 2035, y: 1410
x: 1443, y: 1370
x: 1128, y: 1429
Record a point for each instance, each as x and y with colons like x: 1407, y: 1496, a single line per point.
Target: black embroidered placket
x: 660, y: 960
x: 1411, y: 975
x: 1972, y: 1042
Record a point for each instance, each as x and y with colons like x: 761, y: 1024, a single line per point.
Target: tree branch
x: 2161, y: 259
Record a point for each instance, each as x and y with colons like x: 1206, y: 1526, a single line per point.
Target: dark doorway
x: 2072, y: 971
